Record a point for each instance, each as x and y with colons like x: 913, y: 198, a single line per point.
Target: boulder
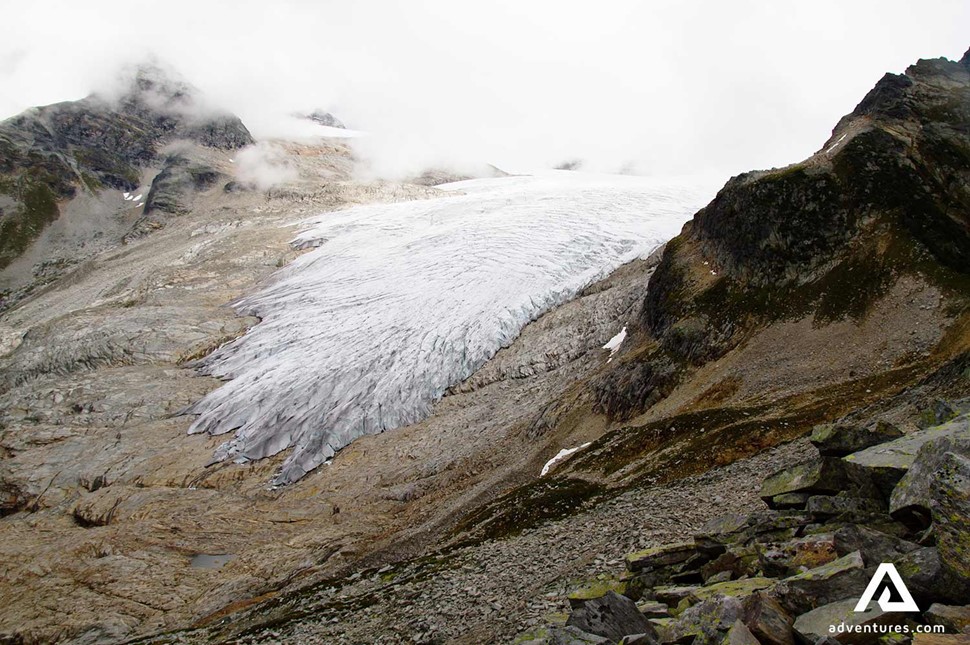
x: 788, y: 558
x: 573, y: 636
x: 837, y: 580
x: 875, y: 546
x: 910, y: 499
x: 838, y: 440
x: 660, y: 556
x: 720, y: 531
x: 818, y: 623
x: 941, y: 639
x: 707, y: 622
x: 736, y: 561
x: 827, y: 506
x: 929, y: 580
x: 653, y: 609
x: 789, y: 501
x: 888, y: 462
x: 767, y: 620
x: 739, y: 634
x: 825, y: 475
x: 955, y: 619
x: 612, y: 616
x: 739, y: 589
x: 672, y: 595
x: 595, y: 589
x: 950, y: 506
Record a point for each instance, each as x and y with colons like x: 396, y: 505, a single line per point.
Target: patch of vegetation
x: 528, y: 506
x: 38, y: 208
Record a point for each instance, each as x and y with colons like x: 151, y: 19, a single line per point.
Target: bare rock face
x: 825, y: 238
x: 51, y: 155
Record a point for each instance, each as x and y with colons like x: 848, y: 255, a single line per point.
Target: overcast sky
x: 671, y: 87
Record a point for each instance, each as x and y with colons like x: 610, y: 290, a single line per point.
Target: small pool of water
x: 210, y: 560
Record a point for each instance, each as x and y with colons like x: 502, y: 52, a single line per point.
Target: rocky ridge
x: 81, y: 152
x: 790, y: 572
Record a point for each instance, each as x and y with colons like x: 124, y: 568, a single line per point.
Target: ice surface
x: 562, y: 454
x: 400, y: 301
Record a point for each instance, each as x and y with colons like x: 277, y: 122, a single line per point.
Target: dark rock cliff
x: 888, y: 195
x: 50, y: 153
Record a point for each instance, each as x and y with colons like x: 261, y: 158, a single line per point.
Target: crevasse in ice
x: 400, y: 301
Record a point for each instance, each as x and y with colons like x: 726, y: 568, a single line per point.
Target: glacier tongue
x: 400, y: 301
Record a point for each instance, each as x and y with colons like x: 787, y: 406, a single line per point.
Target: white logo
x: 887, y: 569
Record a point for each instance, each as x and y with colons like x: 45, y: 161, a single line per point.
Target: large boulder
x: 950, y: 505
x: 739, y: 634
x: 839, y: 440
x: 767, y: 620
x: 825, y: 475
x: 794, y: 556
x: 660, y: 556
x: 837, y: 580
x: 717, y: 535
x: 707, y: 622
x: 571, y: 636
x: 874, y: 546
x: 910, y: 500
x: 889, y: 462
x: 612, y: 616
x: 929, y: 580
x: 954, y: 619
x: 818, y: 623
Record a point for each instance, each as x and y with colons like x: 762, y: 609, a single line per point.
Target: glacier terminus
x: 398, y: 302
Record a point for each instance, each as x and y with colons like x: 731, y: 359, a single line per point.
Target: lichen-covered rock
x: 911, y: 498
x: 837, y: 580
x: 874, y: 546
x: 889, y: 462
x: 739, y: 634
x: 789, y: 558
x: 838, y: 440
x: 816, y: 624
x: 595, y: 589
x: 827, y: 506
x: 767, y: 620
x: 825, y: 475
x: 950, y: 505
x: 739, y: 589
x: 660, y: 556
x: 955, y: 619
x: 708, y: 621
x: 790, y: 501
x: 612, y: 616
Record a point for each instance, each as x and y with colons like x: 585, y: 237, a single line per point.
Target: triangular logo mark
x: 885, y: 602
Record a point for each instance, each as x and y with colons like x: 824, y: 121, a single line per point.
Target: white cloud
x: 264, y: 166
x: 660, y: 86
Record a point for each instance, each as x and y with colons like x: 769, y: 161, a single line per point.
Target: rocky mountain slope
x: 72, y: 153
x: 832, y: 289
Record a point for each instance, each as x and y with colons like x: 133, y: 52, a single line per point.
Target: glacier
x: 398, y: 302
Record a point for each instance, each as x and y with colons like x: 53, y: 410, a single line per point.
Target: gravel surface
x: 492, y: 591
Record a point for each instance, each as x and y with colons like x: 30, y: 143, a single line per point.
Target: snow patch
x: 562, y: 454
x: 832, y: 147
x: 400, y: 301
x: 614, y: 343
